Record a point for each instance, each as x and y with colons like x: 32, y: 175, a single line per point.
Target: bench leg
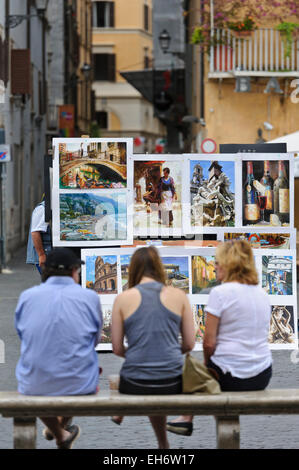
x: 228, y: 432
x: 24, y: 434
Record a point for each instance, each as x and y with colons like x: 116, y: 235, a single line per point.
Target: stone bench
x: 225, y: 407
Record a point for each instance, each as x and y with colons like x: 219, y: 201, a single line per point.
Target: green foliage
x: 289, y: 32
x: 247, y: 25
x: 95, y: 130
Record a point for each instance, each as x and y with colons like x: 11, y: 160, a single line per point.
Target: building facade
x: 122, y: 41
x: 242, y: 86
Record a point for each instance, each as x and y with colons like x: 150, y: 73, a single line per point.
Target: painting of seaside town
x: 93, y: 165
x: 124, y: 266
x: 277, y: 275
x: 101, y: 274
x: 199, y: 318
x: 212, y: 193
x: 203, y: 274
x: 282, y: 325
x: 158, y: 195
x: 177, y: 271
x: 89, y: 217
x: 262, y: 240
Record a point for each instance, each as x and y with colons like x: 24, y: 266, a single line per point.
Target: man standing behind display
x: 59, y: 325
x: 39, y: 239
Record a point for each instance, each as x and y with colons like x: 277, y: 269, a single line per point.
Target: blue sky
x: 227, y: 167
x: 90, y: 265
x: 125, y: 259
x: 181, y: 261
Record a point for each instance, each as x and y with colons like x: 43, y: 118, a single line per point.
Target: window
x: 102, y: 119
x: 103, y: 14
x: 146, y: 17
x: 104, y: 67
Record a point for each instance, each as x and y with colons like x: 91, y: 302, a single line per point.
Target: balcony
x: 260, y: 55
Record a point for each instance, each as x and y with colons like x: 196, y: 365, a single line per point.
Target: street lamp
x: 15, y: 20
x: 164, y: 40
x: 86, y: 69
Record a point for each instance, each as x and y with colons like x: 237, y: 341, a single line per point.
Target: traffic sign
x: 4, y: 153
x: 208, y: 146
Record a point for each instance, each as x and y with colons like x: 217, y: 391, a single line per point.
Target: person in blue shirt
x: 59, y: 325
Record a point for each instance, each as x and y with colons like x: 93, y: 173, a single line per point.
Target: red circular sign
x: 208, y: 146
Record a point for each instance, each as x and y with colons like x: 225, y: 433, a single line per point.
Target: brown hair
x: 236, y: 259
x: 146, y: 262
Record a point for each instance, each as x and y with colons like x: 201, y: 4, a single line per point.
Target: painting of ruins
x: 199, y: 317
x: 277, y: 275
x: 90, y: 217
x: 158, y: 195
x: 261, y: 240
x: 212, y: 193
x: 177, y: 271
x: 92, y: 165
x: 203, y: 274
x: 282, y: 325
x: 101, y: 274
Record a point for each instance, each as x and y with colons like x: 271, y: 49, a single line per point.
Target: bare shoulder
x: 174, y: 293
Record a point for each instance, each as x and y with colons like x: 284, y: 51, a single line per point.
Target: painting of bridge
x: 93, y: 165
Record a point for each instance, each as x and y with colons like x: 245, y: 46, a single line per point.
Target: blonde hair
x: 146, y: 262
x: 236, y: 259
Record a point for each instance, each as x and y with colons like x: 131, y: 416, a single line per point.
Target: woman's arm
x: 117, y: 329
x: 210, y: 337
x: 187, y: 326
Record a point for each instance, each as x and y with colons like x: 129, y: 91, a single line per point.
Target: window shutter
x: 3, y: 60
x: 20, y: 72
x: 111, y: 67
x: 111, y: 15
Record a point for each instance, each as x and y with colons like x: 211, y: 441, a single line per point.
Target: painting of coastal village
x: 101, y: 274
x: 262, y: 240
x: 93, y: 165
x: 277, y: 275
x: 203, y: 274
x: 199, y: 318
x: 177, y: 271
x: 212, y: 193
x: 88, y: 217
x: 282, y: 326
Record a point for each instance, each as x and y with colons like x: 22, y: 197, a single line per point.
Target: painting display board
x: 92, y: 192
x: 224, y: 191
x: 192, y: 269
x: 282, y: 238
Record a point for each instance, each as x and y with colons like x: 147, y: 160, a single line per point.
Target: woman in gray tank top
x: 152, y: 317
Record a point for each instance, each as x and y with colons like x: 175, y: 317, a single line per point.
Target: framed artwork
x: 210, y: 197
x: 269, y: 239
x: 158, y: 186
x: 92, y: 192
x: 283, y: 332
x: 267, y: 183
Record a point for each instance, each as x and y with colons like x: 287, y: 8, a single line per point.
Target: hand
x: 42, y: 259
x: 175, y: 197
